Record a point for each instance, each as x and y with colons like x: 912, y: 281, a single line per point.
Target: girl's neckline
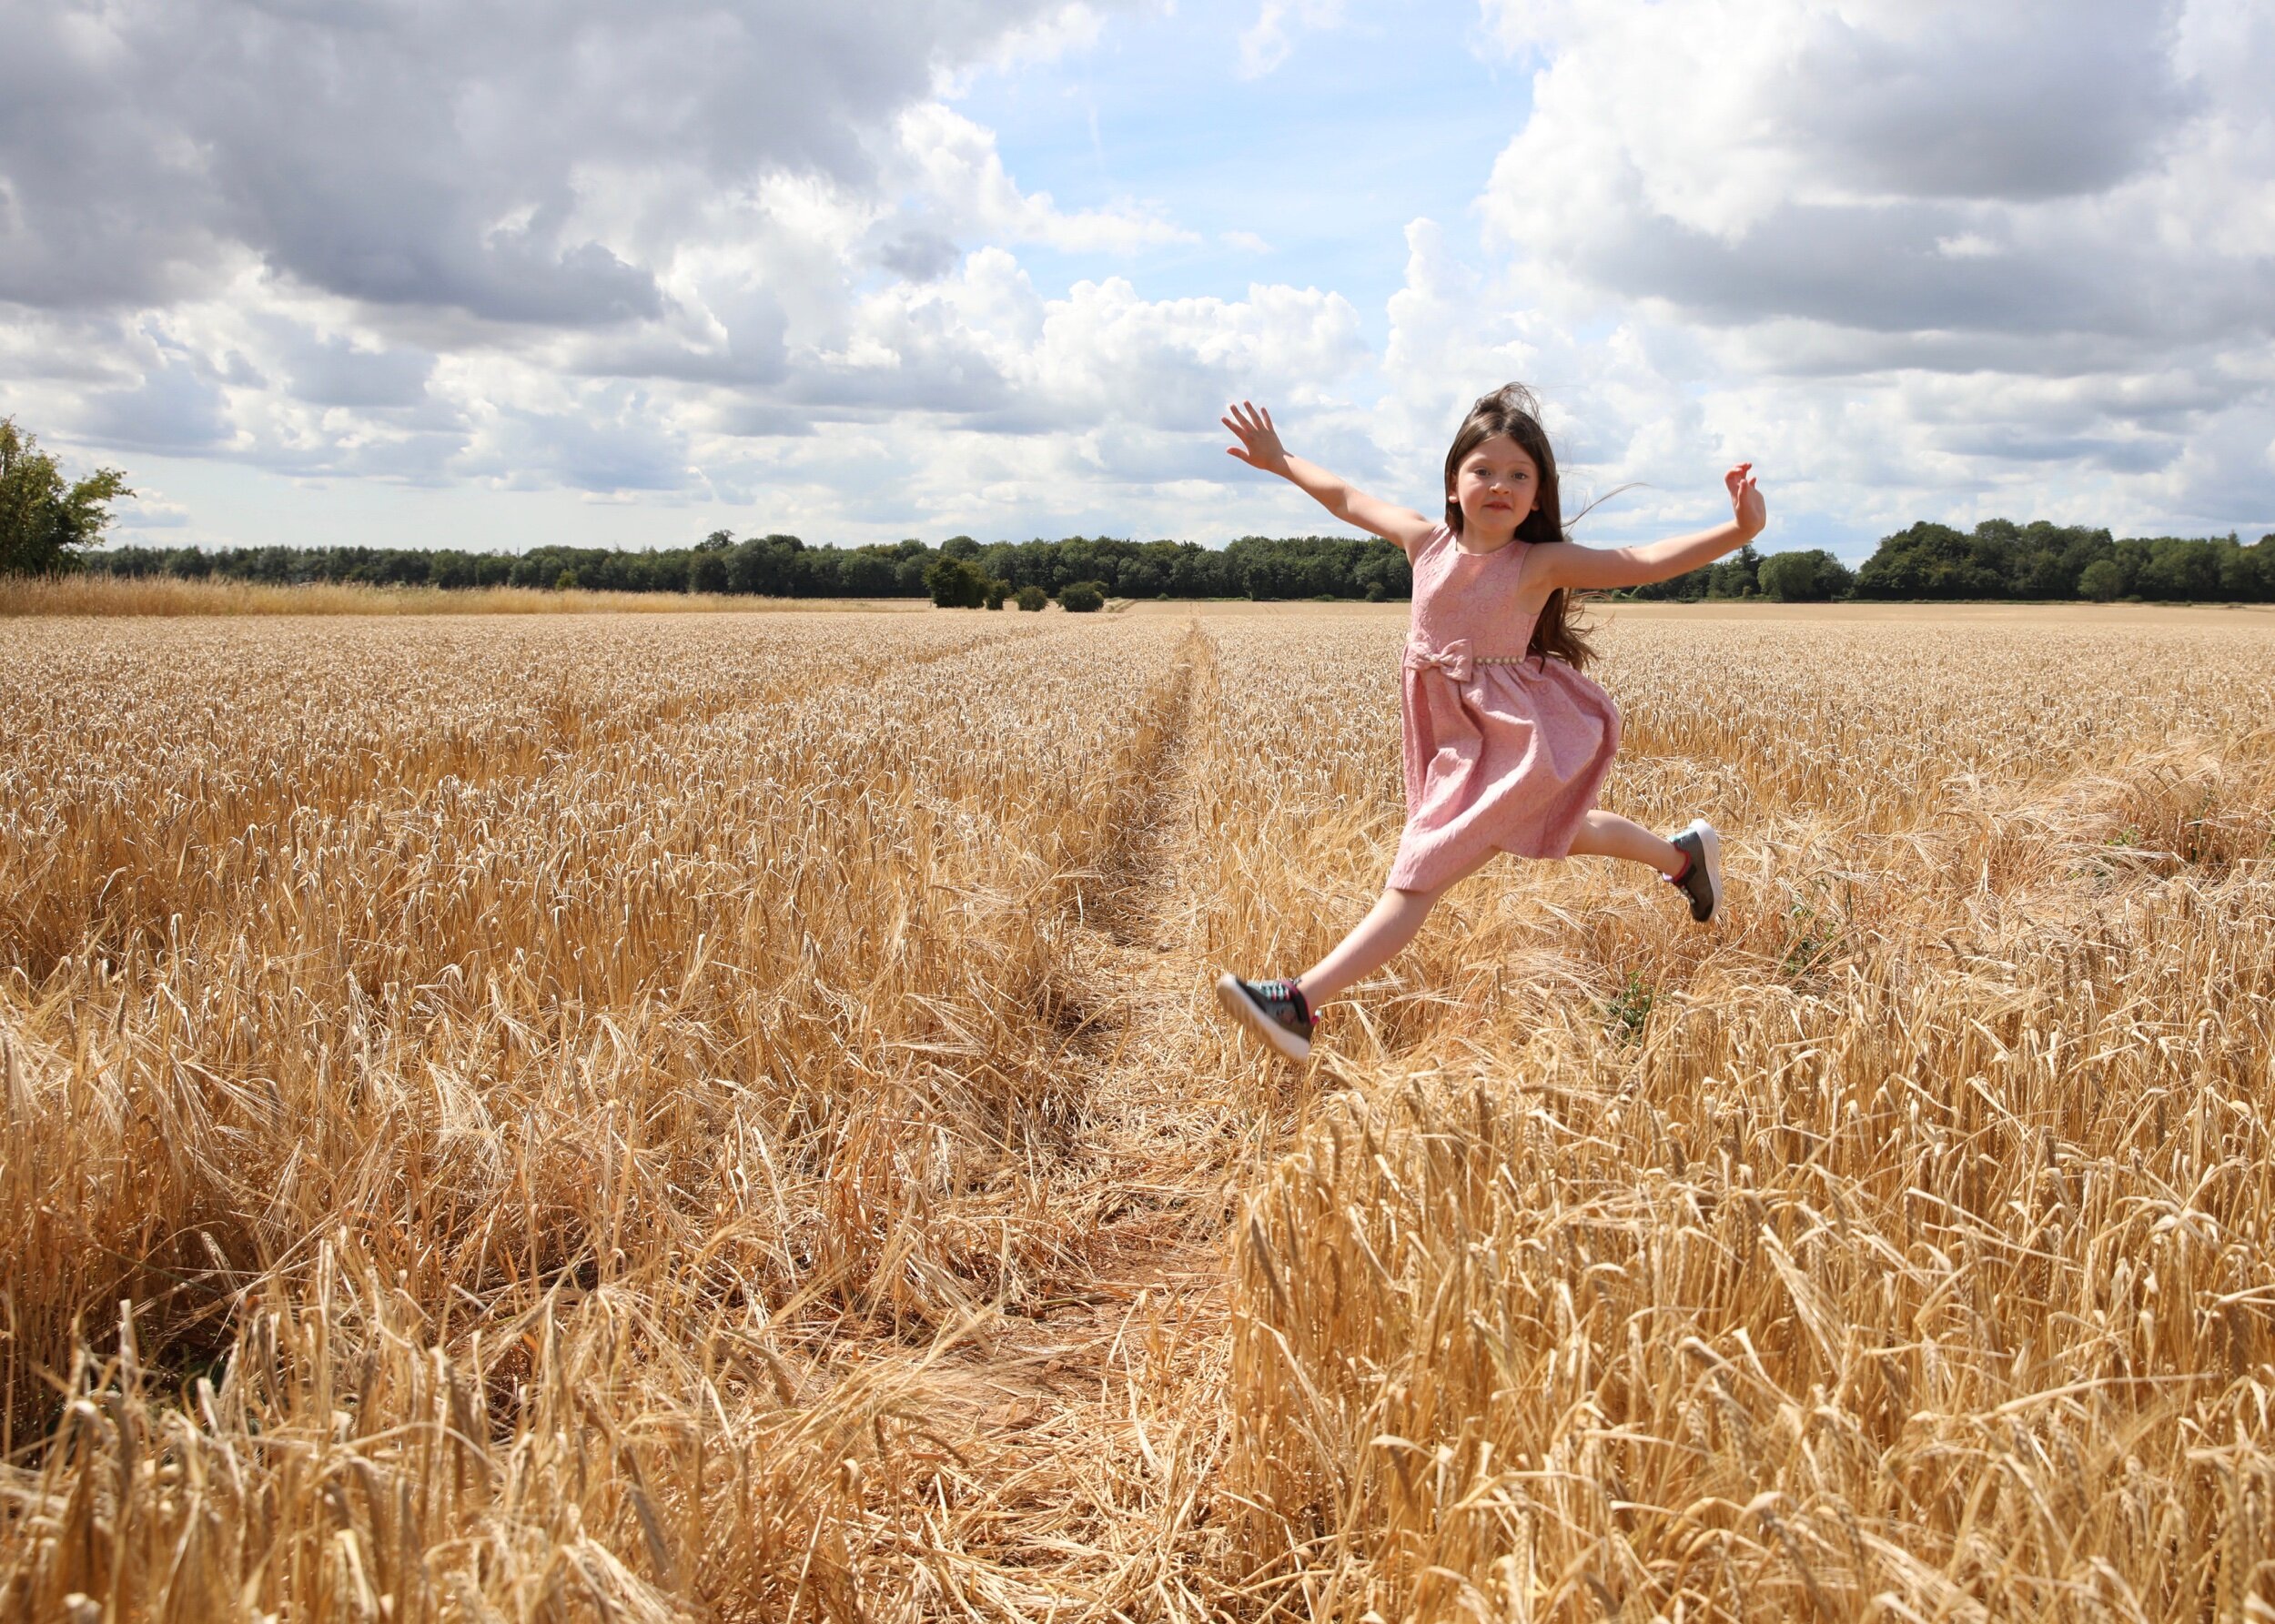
x: 1487, y: 553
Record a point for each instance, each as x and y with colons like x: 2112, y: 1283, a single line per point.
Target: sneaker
x: 1274, y: 1009
x: 1701, y: 881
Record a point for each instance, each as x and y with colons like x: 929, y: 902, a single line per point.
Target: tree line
x: 48, y: 526
x: 783, y: 566
x: 1999, y: 559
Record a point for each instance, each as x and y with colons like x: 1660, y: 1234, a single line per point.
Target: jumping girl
x: 1506, y: 743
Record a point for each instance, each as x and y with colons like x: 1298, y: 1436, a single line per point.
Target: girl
x: 1506, y: 743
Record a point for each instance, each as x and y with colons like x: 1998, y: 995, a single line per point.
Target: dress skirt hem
x: 1510, y: 760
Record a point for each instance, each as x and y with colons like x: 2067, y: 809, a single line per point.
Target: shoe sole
x: 1710, y: 845
x: 1236, y: 1004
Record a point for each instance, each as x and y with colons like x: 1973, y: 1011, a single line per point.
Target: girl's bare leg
x: 1397, y: 918
x: 1378, y: 939
x: 1607, y: 834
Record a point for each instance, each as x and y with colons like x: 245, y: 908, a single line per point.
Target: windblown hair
x: 1512, y: 410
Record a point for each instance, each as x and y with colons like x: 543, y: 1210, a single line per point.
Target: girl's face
x: 1497, y: 486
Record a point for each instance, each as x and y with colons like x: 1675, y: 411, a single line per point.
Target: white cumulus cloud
x: 2029, y: 250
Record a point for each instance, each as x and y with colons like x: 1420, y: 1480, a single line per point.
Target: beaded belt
x: 1455, y: 658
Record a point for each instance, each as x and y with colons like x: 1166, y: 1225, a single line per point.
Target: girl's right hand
x: 1259, y: 445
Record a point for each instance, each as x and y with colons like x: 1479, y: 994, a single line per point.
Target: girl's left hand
x: 1746, y: 500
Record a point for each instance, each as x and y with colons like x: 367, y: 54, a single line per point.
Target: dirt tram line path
x: 1081, y: 1487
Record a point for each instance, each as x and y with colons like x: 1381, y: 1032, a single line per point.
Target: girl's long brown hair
x: 1512, y: 410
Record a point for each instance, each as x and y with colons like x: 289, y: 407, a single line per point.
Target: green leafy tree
x: 1082, y: 598
x: 1934, y: 560
x: 2182, y: 570
x: 868, y: 573
x: 2242, y: 572
x: 1736, y: 576
x: 45, y: 523
x: 710, y: 570
x: 2102, y: 581
x: 998, y: 589
x: 955, y: 583
x: 1144, y: 577
x: 1031, y: 598
x: 1814, y: 576
x: 766, y: 565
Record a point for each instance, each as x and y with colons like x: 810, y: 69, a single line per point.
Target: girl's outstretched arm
x: 1565, y: 564
x: 1260, y: 447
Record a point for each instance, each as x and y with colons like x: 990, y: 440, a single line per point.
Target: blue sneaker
x: 1702, y: 880
x: 1274, y: 1010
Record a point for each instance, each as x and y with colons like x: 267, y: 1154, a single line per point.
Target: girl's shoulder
x: 1439, y: 536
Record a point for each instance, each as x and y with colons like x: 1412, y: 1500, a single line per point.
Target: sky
x: 418, y: 273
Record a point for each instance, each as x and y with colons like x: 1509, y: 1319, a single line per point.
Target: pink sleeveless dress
x: 1499, y: 757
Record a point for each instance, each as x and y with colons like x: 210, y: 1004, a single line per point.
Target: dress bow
x: 1453, y: 659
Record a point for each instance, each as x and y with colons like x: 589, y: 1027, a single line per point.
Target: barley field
x: 721, y: 1116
